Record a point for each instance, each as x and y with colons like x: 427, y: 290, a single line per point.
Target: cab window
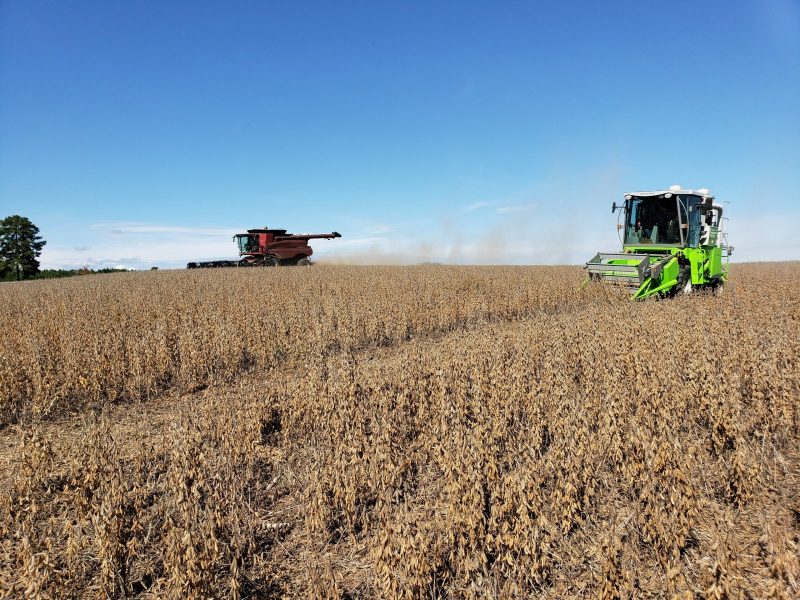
x: 652, y: 220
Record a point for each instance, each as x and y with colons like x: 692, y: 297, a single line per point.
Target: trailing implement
x: 269, y: 248
x: 672, y: 242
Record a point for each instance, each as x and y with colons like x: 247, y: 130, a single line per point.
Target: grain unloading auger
x: 672, y: 241
x: 269, y: 248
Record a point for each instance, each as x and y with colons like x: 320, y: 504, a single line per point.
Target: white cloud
x: 134, y: 228
x: 516, y: 208
x: 142, y: 245
x: 380, y: 229
x: 476, y: 205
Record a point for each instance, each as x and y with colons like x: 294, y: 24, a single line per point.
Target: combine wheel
x: 684, y: 285
x: 270, y: 261
x: 304, y: 262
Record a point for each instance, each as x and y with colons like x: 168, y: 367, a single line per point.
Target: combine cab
x: 269, y: 248
x: 672, y: 241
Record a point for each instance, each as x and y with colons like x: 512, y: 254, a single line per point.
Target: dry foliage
x: 399, y: 433
x: 81, y: 342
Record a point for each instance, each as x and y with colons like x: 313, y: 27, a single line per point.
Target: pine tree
x: 20, y: 246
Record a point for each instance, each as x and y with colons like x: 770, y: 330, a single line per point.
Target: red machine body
x: 269, y: 248
x: 272, y: 247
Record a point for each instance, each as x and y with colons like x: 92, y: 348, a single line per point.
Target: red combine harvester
x: 269, y: 248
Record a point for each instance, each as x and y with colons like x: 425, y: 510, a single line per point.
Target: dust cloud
x: 565, y: 221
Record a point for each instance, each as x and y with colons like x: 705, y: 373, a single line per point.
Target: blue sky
x: 147, y: 133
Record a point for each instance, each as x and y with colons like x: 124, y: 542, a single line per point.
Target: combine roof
x: 275, y: 231
x: 674, y: 189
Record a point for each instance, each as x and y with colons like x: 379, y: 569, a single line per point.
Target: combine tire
x: 270, y: 261
x: 304, y: 262
x: 684, y: 286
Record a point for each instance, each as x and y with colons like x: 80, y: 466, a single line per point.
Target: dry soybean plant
x: 71, y: 344
x: 425, y: 432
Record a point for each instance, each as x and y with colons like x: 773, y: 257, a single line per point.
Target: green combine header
x: 672, y: 241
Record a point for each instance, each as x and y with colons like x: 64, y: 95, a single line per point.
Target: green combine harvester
x: 672, y: 242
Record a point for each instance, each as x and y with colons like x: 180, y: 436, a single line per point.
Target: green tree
x: 20, y: 246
